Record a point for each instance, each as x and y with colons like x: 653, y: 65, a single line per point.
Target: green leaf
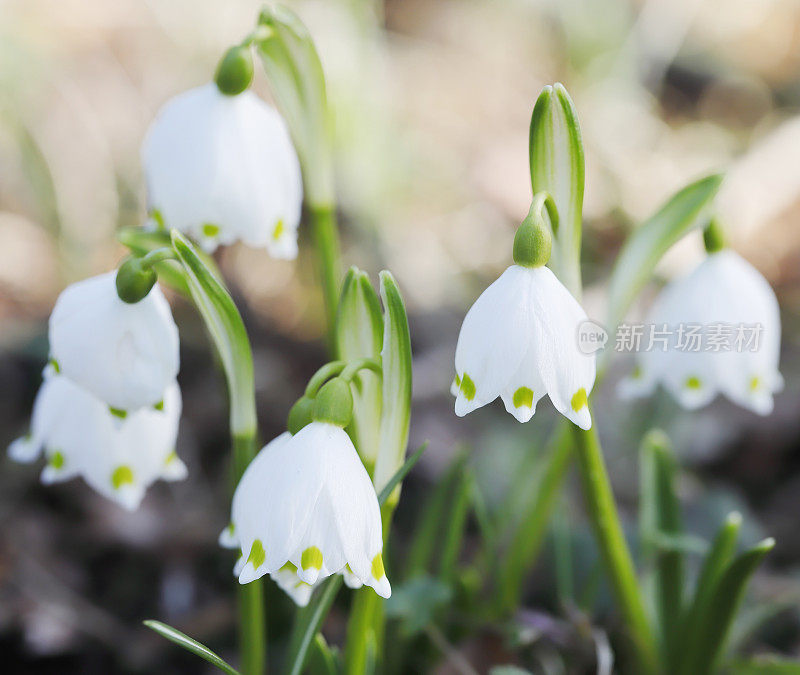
x: 359, y: 334
x: 416, y: 601
x: 662, y: 515
x: 225, y: 325
x: 308, y: 622
x: 297, y: 80
x: 685, y: 211
x: 433, y: 519
x: 557, y: 167
x: 401, y: 473
x: 455, y: 524
x: 509, y: 670
x: 322, y: 660
x: 715, y: 563
x: 396, y: 405
x: 712, y: 627
x: 190, y: 645
x: 765, y: 665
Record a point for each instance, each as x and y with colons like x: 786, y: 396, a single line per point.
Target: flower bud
x: 714, y: 237
x: 134, y: 280
x: 334, y: 403
x: 533, y: 242
x: 300, y: 414
x: 235, y: 71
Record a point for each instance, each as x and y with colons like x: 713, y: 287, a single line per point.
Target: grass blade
x: 190, y: 645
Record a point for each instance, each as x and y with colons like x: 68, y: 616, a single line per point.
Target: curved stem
x: 322, y: 376
x: 158, y: 255
x: 366, y: 363
x: 602, y: 512
x: 326, y: 242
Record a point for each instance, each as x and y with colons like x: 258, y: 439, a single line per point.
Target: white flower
x: 308, y: 500
x: 81, y: 437
x: 125, y: 354
x: 222, y: 169
x: 519, y: 341
x: 722, y: 329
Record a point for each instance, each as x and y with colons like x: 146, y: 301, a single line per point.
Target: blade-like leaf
x: 557, y: 167
x: 706, y: 643
x: 396, y: 363
x: 765, y: 665
x: 715, y: 563
x: 685, y: 211
x: 224, y: 323
x: 322, y: 660
x: 661, y: 503
x: 308, y: 622
x: 359, y: 334
x: 456, y: 520
x: 190, y: 645
x: 296, y: 78
x: 401, y: 473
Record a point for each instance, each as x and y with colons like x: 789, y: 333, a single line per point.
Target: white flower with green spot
x: 519, y: 341
x: 125, y: 354
x: 223, y: 169
x: 308, y: 500
x: 728, y: 298
x: 120, y: 458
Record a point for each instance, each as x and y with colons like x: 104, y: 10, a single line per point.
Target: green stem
x: 322, y: 376
x: 528, y: 539
x: 326, y: 241
x: 252, y: 627
x: 614, y: 551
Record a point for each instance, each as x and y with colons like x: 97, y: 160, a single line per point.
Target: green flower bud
x: 334, y: 403
x: 533, y: 242
x: 235, y: 71
x: 300, y: 414
x: 134, y: 281
x: 714, y: 237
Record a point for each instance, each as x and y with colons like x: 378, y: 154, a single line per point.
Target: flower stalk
x: 614, y: 550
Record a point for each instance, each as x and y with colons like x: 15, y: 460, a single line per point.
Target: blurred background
x: 432, y: 103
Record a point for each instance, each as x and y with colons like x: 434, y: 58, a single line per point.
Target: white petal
x: 293, y: 586
x: 567, y: 373
x: 494, y: 339
x: 225, y: 162
x: 228, y: 539
x: 125, y: 354
x: 25, y: 450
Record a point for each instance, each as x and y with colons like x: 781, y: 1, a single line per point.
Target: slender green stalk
x: 252, y: 627
x: 528, y: 539
x: 602, y: 512
x: 326, y: 242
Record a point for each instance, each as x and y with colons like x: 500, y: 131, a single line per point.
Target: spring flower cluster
x: 109, y: 405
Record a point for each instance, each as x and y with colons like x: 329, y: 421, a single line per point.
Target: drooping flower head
x: 722, y: 328
x: 125, y: 354
x: 222, y: 168
x: 519, y: 340
x: 307, y: 500
x: 80, y: 436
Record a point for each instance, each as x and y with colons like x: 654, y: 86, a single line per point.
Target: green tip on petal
x: 377, y: 567
x: 210, y: 230
x: 334, y: 403
x: 523, y: 397
x: 56, y: 460
x: 257, y: 555
x: 467, y: 387
x: 235, y: 71
x: 123, y: 475
x: 693, y: 382
x: 579, y: 399
x: 118, y: 412
x: 312, y: 557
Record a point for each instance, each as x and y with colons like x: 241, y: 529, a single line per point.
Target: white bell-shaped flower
x: 308, y: 500
x: 80, y: 436
x: 125, y: 354
x: 720, y: 333
x: 519, y: 341
x: 223, y: 169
